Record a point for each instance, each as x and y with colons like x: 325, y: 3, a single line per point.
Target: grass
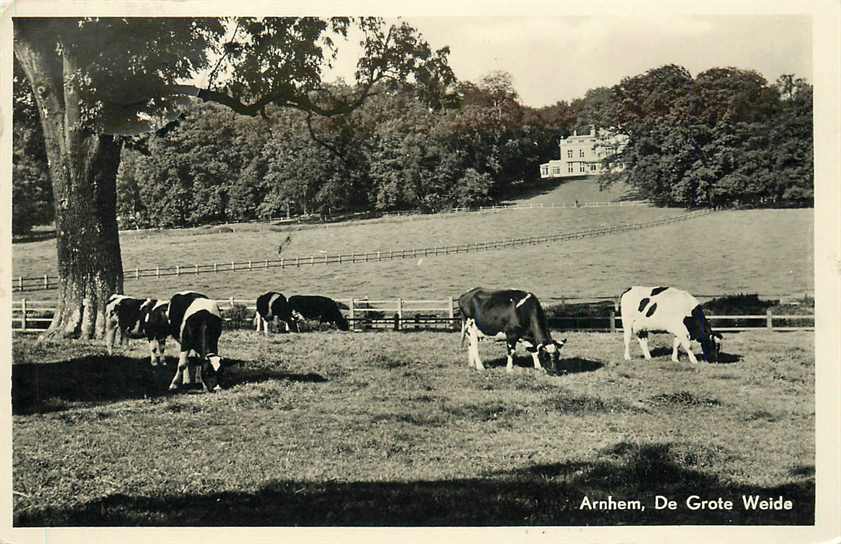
x: 727, y: 252
x: 390, y: 428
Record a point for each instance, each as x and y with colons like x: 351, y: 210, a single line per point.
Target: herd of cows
x: 513, y: 316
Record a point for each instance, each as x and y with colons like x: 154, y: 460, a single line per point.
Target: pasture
x: 756, y: 251
x: 392, y: 428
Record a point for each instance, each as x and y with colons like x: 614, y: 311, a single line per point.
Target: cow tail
x: 463, y: 330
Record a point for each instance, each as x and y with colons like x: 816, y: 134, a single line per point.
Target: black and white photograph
x: 457, y: 269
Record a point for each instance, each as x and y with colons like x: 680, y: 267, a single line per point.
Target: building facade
x: 584, y: 154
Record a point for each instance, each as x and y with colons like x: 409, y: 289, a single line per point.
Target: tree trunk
x: 83, y: 168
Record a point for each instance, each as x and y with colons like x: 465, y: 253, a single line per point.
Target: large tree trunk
x: 83, y: 167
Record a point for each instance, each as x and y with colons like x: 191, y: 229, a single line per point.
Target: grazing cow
x: 126, y: 315
x: 317, y: 308
x: 646, y: 309
x: 196, y: 323
x: 272, y: 306
x: 508, y: 315
x: 138, y: 318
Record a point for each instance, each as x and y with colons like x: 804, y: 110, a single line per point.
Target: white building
x: 582, y: 155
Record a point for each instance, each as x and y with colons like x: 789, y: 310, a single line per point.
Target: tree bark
x: 83, y: 167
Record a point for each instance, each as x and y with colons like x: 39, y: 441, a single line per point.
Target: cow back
x: 178, y: 305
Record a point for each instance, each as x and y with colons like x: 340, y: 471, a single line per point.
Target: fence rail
x: 46, y: 281
x: 402, y: 314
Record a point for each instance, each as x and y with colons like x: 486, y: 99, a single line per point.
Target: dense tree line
x: 725, y: 137
x: 398, y: 151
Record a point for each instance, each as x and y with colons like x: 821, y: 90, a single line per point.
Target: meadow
x: 733, y: 251
x: 393, y: 429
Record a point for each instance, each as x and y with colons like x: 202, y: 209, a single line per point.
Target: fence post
x: 158, y: 271
x: 231, y: 301
x: 23, y: 314
x: 612, y: 320
x: 20, y: 283
x: 267, y: 263
x: 215, y: 268
x: 399, y: 314
x: 46, y: 281
x: 452, y: 313
x: 249, y: 264
x: 177, y: 270
x: 136, y: 273
x: 197, y: 269
x: 769, y: 319
x: 350, y: 315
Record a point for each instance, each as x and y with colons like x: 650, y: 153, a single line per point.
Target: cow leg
x: 179, y: 372
x: 675, y: 353
x: 161, y: 351
x: 257, y: 321
x: 275, y: 321
x: 535, y: 355
x: 474, y: 349
x: 511, y: 349
x: 153, y: 357
x: 110, y: 333
x: 642, y: 336
x: 626, y: 333
x: 687, y: 347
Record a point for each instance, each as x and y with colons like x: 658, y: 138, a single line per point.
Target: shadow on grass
x: 51, y: 387
x: 573, y: 365
x: 537, y: 495
x: 666, y: 352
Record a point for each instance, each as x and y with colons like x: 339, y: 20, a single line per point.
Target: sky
x: 560, y: 58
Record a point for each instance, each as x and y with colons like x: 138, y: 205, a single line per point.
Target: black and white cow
x: 274, y: 307
x: 508, y: 315
x: 195, y: 322
x: 137, y: 318
x: 648, y: 309
x: 126, y: 315
x: 317, y: 308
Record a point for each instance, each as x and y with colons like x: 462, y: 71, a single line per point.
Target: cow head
x: 212, y: 369
x: 553, y: 348
x: 711, y: 346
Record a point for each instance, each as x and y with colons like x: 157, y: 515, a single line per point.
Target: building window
x: 583, y: 168
x: 556, y: 170
x: 592, y: 168
x: 569, y: 153
x: 571, y: 170
x: 581, y: 153
x: 544, y: 170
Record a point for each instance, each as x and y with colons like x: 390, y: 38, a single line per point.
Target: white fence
x: 403, y: 314
x: 46, y: 282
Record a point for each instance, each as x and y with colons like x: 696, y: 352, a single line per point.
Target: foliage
x: 724, y: 138
x: 31, y: 191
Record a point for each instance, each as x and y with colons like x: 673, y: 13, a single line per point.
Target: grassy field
x: 394, y: 429
x: 757, y: 251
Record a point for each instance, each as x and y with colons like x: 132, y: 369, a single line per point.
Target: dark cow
x: 648, y: 309
x: 136, y: 318
x: 195, y: 322
x: 508, y: 315
x: 272, y: 307
x: 317, y: 308
x: 125, y: 315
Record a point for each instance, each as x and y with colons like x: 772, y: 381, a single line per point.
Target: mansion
x: 582, y: 154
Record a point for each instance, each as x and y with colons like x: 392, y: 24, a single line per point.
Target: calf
x: 195, y: 322
x: 647, y: 309
x: 272, y: 306
x: 509, y: 315
x: 317, y: 308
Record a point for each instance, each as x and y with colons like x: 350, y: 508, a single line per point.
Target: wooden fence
x: 46, y: 282
x: 404, y: 314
